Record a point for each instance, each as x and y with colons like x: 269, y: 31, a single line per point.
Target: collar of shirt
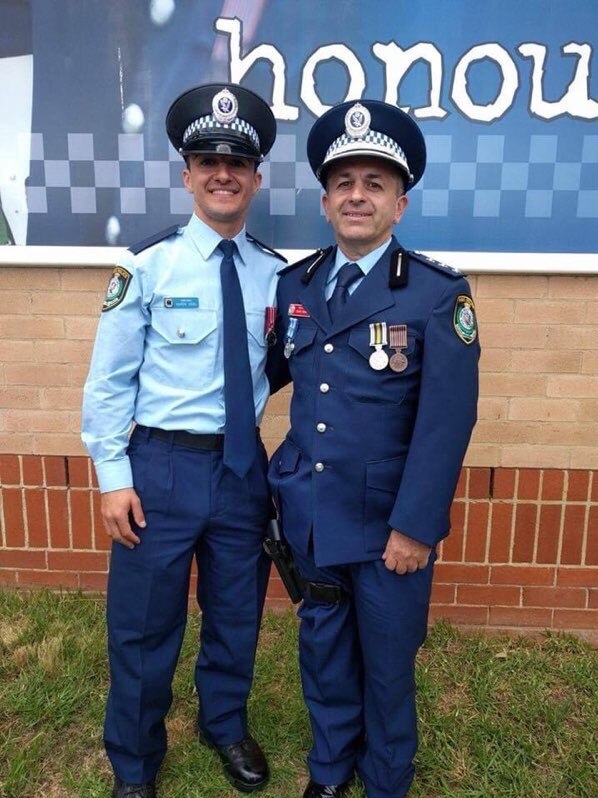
x: 366, y: 263
x: 206, y: 240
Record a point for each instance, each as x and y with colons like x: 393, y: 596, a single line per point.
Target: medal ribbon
x: 397, y: 336
x: 378, y: 334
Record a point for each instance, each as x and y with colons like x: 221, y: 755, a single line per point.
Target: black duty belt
x: 211, y: 442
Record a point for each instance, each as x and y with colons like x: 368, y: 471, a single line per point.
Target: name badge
x: 181, y: 302
x: 297, y: 311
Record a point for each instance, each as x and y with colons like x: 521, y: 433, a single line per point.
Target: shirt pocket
x: 183, y: 347
x: 256, y: 340
x: 365, y: 384
x: 184, y: 327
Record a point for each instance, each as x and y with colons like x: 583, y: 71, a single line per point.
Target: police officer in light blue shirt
x: 181, y: 350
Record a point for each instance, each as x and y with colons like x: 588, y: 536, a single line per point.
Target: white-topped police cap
x: 367, y: 128
x: 221, y: 118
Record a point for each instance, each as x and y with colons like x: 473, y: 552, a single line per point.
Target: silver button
x: 328, y: 348
x: 324, y: 387
x: 321, y: 427
x: 181, y: 332
x: 319, y: 467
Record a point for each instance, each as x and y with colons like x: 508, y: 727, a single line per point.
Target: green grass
x: 499, y: 717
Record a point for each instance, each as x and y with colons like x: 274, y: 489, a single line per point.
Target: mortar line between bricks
x: 562, y: 523
x: 586, y: 525
x: 514, y: 516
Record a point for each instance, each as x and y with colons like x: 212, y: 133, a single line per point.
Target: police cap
x: 221, y: 118
x: 367, y: 128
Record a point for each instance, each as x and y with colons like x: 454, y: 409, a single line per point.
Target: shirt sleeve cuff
x: 114, y: 475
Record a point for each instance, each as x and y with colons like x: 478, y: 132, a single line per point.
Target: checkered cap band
x: 211, y: 123
x: 373, y: 143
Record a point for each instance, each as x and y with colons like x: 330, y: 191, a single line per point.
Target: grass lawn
x: 499, y: 717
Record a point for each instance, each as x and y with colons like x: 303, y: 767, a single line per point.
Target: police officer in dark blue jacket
x: 381, y: 345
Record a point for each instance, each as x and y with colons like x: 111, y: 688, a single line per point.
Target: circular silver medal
x: 288, y: 349
x: 378, y: 360
x: 398, y: 362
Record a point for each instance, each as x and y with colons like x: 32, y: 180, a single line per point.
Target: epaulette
x: 151, y: 240
x: 266, y: 248
x: 443, y: 268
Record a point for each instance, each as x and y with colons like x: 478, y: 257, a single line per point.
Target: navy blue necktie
x: 239, y: 434
x: 348, y: 273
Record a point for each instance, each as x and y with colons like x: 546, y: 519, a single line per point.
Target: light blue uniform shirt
x: 157, y: 358
x: 366, y: 264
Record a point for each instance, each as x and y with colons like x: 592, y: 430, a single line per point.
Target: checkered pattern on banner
x: 537, y: 176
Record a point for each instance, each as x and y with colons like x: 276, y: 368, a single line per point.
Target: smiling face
x: 222, y: 187
x: 364, y: 199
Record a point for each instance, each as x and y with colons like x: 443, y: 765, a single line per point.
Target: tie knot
x: 227, y: 247
x: 348, y: 273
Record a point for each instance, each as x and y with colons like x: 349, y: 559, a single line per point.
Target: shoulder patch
x: 155, y: 239
x: 464, y: 319
x: 117, y: 288
x: 444, y: 268
x: 266, y: 248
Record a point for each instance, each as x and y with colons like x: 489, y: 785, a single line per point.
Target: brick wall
x: 524, y: 548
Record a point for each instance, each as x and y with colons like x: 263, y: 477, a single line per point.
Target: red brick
x: 80, y: 518
x: 525, y: 532
x: 8, y: 578
x: 520, y: 616
x: 491, y: 595
x: 504, y: 483
x: 101, y: 539
x: 277, y: 604
x: 58, y: 513
x: 592, y: 542
x: 554, y: 597
x: 443, y: 594
x: 594, y: 495
x: 93, y: 581
x: 571, y: 549
x: 479, y: 483
x: 579, y: 485
x: 78, y: 472
x: 12, y: 500
x: 553, y: 485
x: 32, y: 470
x: 580, y: 577
x: 47, y: 579
x: 465, y: 615
x: 529, y: 483
x: 276, y: 589
x: 521, y: 575
x: 477, y: 532
x: 55, y: 468
x: 593, y: 599
x: 452, y: 546
x: 22, y: 558
x: 461, y: 484
x: 456, y: 573
x: 37, y: 523
x: 500, y: 534
x: 548, y: 533
x: 78, y: 561
x: 575, y: 619
x: 10, y: 469
x: 94, y: 479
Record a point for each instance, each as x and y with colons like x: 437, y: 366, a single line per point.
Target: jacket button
x: 324, y: 387
x: 321, y: 427
x: 319, y: 467
x: 181, y: 332
x: 329, y: 348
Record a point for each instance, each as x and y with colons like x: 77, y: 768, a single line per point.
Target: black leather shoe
x: 123, y: 790
x: 243, y: 763
x: 315, y: 790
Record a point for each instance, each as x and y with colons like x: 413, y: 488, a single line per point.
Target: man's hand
x: 405, y: 555
x: 117, y: 506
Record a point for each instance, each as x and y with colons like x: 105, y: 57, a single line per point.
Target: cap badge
x: 225, y: 107
x: 357, y: 121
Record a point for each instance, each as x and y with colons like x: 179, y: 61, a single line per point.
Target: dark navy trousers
x: 194, y: 507
x: 357, y: 662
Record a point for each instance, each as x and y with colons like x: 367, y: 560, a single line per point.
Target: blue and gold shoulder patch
x: 448, y: 271
x: 117, y: 288
x: 148, y: 242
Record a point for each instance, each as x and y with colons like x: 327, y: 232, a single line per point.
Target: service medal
x: 397, y: 339
x: 378, y: 339
x: 289, y: 344
x: 269, y: 322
